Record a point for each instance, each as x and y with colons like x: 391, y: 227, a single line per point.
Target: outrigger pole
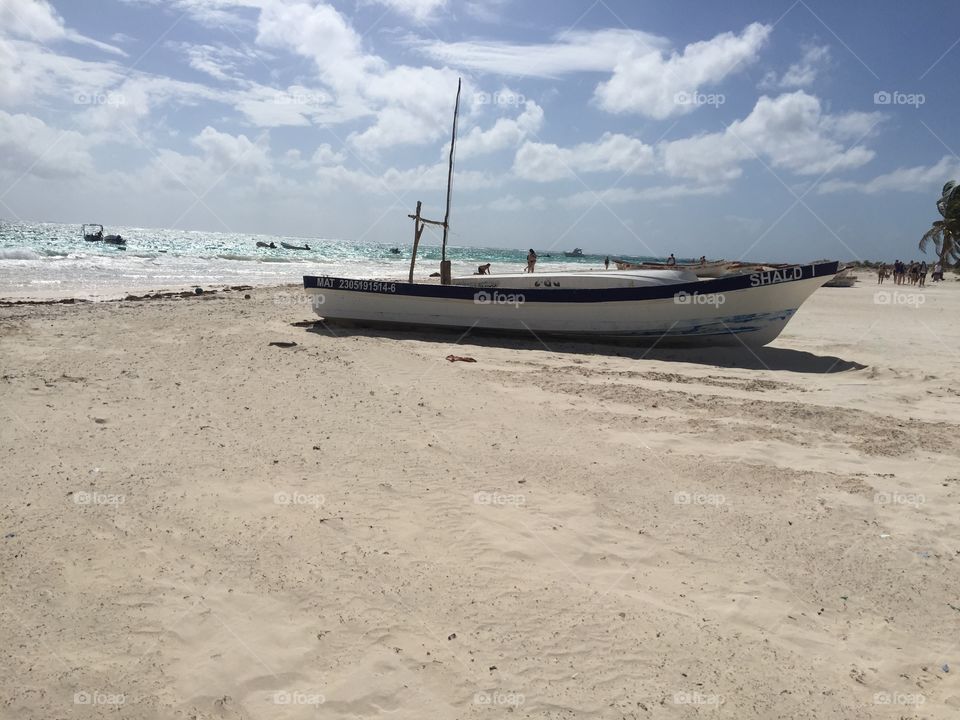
x: 419, y: 222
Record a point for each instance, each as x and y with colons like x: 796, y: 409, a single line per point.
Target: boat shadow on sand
x: 763, y: 358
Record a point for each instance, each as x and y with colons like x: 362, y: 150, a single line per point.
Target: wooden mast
x: 444, y: 263
x: 419, y: 222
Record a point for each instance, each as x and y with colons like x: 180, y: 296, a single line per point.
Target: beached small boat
x: 93, y: 232
x: 648, y: 307
x: 288, y: 246
x: 658, y: 306
x: 576, y: 252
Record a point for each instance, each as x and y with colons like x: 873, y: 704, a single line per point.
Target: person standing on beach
x: 671, y: 260
x: 606, y: 263
x: 531, y: 261
x: 922, y: 274
x: 938, y: 271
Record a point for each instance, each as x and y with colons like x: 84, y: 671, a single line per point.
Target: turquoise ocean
x: 50, y: 260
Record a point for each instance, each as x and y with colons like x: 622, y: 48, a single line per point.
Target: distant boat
x: 577, y: 252
x: 395, y: 251
x: 93, y: 232
x: 270, y: 245
x: 288, y: 246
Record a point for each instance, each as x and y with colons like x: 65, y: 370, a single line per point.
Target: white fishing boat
x: 662, y: 307
x: 649, y: 306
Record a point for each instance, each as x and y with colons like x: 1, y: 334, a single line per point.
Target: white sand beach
x: 197, y: 524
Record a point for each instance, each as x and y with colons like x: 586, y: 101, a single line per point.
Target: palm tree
x: 945, y: 234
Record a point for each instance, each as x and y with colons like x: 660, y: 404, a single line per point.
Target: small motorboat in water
x: 269, y: 245
x: 288, y: 246
x: 93, y: 232
x: 577, y: 252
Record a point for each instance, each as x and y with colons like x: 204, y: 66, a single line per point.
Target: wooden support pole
x: 417, y: 232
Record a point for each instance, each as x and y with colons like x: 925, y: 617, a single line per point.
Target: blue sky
x: 768, y: 130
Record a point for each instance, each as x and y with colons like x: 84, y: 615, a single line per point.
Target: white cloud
x: 800, y: 74
x: 649, y: 84
x: 789, y: 132
x: 505, y: 133
x: 37, y: 20
x: 247, y: 162
x: 623, y: 196
x: 920, y: 178
x: 31, y: 147
x: 416, y: 107
x: 233, y: 152
x: 714, y: 157
x: 544, y: 162
x: 511, y: 203
x: 324, y: 35
x: 326, y: 155
x: 417, y: 10
x: 33, y: 19
x: 577, y: 51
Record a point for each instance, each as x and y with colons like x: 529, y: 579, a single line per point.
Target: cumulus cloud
x: 247, y: 162
x: 31, y: 147
x: 790, y: 132
x: 544, y: 162
x: 800, y: 74
x: 505, y: 133
x: 417, y: 10
x: 646, y: 76
x: 650, y: 84
x: 920, y: 178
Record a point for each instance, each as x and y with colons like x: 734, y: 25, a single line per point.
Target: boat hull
x: 750, y: 309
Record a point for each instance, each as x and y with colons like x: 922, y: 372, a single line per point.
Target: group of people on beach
x: 912, y: 273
